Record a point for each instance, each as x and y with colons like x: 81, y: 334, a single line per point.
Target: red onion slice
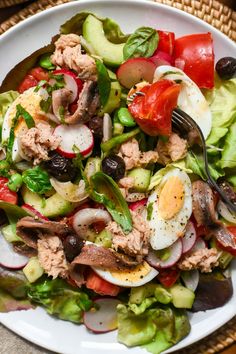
x: 226, y: 213
x: 175, y: 254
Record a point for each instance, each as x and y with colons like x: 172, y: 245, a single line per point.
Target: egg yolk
x: 171, y: 198
x: 133, y: 275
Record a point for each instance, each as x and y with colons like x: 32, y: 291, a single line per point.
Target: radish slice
x: 199, y: 244
x: 175, y: 254
x: 33, y: 212
x: 72, y: 83
x: 226, y: 213
x: 9, y: 258
x: 161, y: 58
x: 74, y: 136
x: 104, y: 319
x: 189, y: 238
x: 135, y: 70
x: 190, y: 279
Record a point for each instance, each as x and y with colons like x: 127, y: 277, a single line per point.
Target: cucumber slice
x: 33, y: 270
x: 141, y: 179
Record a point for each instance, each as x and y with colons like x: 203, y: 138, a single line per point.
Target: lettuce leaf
x: 223, y: 107
x: 156, y: 329
x: 6, y: 99
x: 111, y: 28
x: 157, y: 177
x: 60, y: 299
x: 195, y: 163
x: 8, y: 303
x: 228, y: 158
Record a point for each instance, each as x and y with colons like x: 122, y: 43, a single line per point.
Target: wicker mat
x: 223, y: 18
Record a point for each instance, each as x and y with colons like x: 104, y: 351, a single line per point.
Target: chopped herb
x: 46, y: 104
x: 178, y: 81
x: 62, y: 114
x: 149, y: 211
x: 40, y: 84
x: 172, y: 72
x: 21, y: 112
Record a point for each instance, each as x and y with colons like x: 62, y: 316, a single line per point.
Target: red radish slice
x: 135, y: 70
x: 175, y: 254
x: 189, y: 237
x: 9, y: 258
x: 190, y: 279
x: 199, y: 244
x: 139, y: 204
x: 72, y: 83
x: 161, y: 58
x: 74, y: 136
x: 33, y: 212
x: 105, y: 318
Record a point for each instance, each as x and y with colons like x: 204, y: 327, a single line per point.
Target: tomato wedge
x: 153, y: 110
x: 194, y: 55
x: 39, y: 74
x: 101, y: 286
x: 232, y: 230
x: 5, y: 193
x: 168, y: 277
x: 28, y: 82
x: 166, y: 42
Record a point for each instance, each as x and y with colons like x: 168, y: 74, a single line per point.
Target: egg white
x: 107, y: 275
x: 191, y: 99
x: 165, y: 232
x: 30, y: 101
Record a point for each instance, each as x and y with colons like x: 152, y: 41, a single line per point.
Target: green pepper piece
x: 13, y: 212
x: 117, y: 140
x: 125, y: 117
x: 104, y: 190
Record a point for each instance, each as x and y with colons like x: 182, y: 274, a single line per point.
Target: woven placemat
x: 7, y: 3
x: 224, y: 19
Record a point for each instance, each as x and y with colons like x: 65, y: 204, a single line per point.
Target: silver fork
x: 183, y: 124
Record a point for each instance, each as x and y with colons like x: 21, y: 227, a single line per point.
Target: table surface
x: 10, y: 342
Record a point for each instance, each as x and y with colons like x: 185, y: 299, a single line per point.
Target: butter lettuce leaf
x: 156, y: 329
x: 228, y: 158
x: 6, y: 99
x: 60, y: 299
x: 195, y: 163
x: 223, y: 107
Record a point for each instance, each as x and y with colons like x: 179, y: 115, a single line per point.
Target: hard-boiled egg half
x: 137, y: 276
x: 30, y: 101
x: 191, y: 99
x: 171, y: 207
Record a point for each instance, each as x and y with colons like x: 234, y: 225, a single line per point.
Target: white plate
x: 22, y: 40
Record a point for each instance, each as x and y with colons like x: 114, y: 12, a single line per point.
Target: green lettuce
x: 156, y: 329
x: 157, y: 177
x: 60, y: 299
x: 6, y: 99
x: 37, y: 180
x: 228, y: 158
x: 223, y: 107
x: 111, y: 28
x: 196, y: 164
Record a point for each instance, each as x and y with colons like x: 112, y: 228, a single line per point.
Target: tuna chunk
x: 203, y: 259
x: 68, y: 54
x: 36, y: 142
x: 52, y: 257
x: 136, y: 242
x: 133, y: 157
x: 172, y: 150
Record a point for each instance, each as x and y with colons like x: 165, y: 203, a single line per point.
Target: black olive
x: 96, y: 125
x: 114, y: 166
x: 60, y: 167
x: 226, y: 68
x: 72, y: 247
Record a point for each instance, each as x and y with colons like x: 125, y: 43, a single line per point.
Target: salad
x: 106, y: 214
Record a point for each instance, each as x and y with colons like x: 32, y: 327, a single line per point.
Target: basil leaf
x: 46, y: 104
x: 21, y: 112
x: 104, y: 82
x: 37, y: 180
x: 142, y: 43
